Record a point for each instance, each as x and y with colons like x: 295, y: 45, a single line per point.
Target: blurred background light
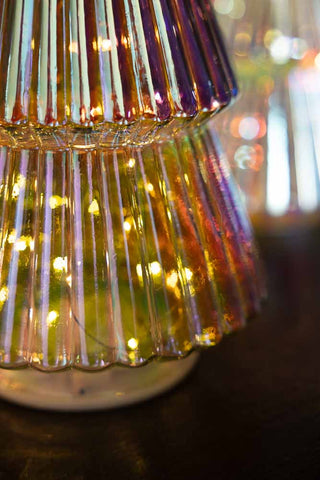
x: 274, y: 145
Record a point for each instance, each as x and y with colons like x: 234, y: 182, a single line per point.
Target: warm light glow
x: 69, y: 280
x: 60, y: 264
x: 155, y: 268
x: 317, y: 61
x: 52, y: 317
x: 133, y: 343
x: 103, y: 44
x: 207, y: 337
x: 15, y: 191
x: 94, y: 208
x: 139, y: 270
x: 131, y: 163
x: 83, y: 114
x: 96, y: 111
x: 4, y: 293
x: 20, y: 244
x: 127, y: 226
x: 172, y: 279
x: 189, y: 273
x: 57, y: 201
x: 73, y: 47
x: 124, y: 41
x: 150, y: 187
x: 12, y: 236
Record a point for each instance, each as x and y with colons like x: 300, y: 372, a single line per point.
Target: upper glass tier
x: 119, y: 67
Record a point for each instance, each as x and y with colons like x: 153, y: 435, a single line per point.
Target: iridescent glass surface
x: 124, y: 67
x: 118, y: 255
x: 122, y: 234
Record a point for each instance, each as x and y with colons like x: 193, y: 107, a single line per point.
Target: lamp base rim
x: 75, y: 390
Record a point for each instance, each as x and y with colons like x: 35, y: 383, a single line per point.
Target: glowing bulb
x: 12, y: 236
x: 131, y: 163
x: 15, y: 191
x: 56, y: 201
x: 155, y: 268
x: 127, y: 226
x: 20, y: 244
x: 172, y: 279
x: 188, y: 273
x: 103, y: 44
x: 133, y: 343
x: 94, y: 207
x: 52, y: 317
x: 60, y: 264
x: 96, y: 111
x: 4, y: 293
x: 139, y: 270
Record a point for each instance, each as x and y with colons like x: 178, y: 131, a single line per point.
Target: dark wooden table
x: 250, y: 409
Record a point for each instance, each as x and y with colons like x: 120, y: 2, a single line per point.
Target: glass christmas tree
x: 122, y: 236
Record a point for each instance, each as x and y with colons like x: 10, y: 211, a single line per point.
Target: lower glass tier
x: 114, y: 256
x: 75, y: 390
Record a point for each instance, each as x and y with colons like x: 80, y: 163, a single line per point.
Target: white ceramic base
x: 75, y: 390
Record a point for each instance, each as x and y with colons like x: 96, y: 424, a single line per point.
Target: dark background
x: 250, y: 409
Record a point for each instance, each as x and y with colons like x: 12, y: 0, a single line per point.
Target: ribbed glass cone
x: 272, y: 133
x: 120, y: 255
x: 124, y: 67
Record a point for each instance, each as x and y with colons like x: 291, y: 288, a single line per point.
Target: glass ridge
x: 122, y: 67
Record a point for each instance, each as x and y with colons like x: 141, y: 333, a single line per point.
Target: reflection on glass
x: 124, y: 67
x: 272, y: 133
x: 119, y: 255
